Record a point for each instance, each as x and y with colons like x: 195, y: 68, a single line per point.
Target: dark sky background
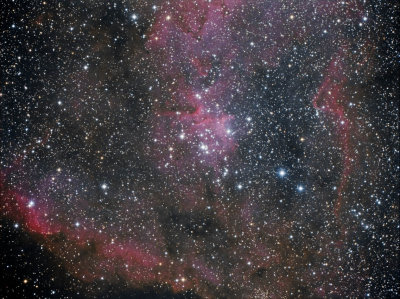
x: 199, y: 149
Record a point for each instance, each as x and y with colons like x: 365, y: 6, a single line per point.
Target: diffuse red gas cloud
x: 331, y: 99
x: 204, y: 50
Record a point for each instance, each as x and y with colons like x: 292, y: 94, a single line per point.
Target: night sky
x: 199, y: 149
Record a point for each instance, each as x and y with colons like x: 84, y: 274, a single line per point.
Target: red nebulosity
x: 25, y: 210
x: 188, y: 37
x: 201, y: 140
x: 193, y: 110
x: 331, y: 99
x: 104, y: 255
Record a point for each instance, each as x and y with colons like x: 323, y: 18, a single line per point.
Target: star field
x: 199, y: 149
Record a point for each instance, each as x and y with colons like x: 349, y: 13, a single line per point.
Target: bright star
x: 282, y: 173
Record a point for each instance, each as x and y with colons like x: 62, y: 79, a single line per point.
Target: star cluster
x: 199, y: 149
